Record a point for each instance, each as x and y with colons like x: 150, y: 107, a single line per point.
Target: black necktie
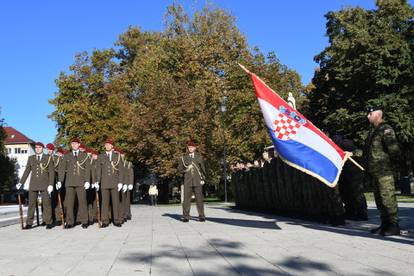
x: 38, y: 158
x: 76, y: 154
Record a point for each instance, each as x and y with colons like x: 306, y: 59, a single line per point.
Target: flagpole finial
x: 245, y: 69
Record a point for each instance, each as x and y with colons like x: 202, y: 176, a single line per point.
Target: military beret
x: 75, y: 140
x: 82, y: 146
x: 40, y: 144
x: 60, y: 150
x: 50, y: 146
x: 109, y: 141
x: 191, y: 143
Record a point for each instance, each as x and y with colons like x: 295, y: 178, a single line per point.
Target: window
x: 24, y: 151
x: 8, y: 150
x: 17, y: 150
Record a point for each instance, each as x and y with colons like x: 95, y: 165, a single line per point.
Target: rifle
x: 98, y: 210
x: 20, y: 210
x: 62, y: 218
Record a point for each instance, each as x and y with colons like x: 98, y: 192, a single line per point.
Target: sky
x: 39, y: 39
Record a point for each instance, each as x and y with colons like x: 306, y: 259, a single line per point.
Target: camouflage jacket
x: 381, y: 152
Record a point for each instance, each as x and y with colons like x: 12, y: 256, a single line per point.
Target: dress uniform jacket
x: 42, y: 173
x: 109, y: 172
x: 193, y: 175
x: 77, y: 169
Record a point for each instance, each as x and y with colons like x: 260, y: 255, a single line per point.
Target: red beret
x: 95, y: 152
x: 40, y: 144
x: 82, y: 146
x: 50, y: 146
x: 60, y: 150
x: 191, y: 144
x: 88, y: 150
x: 109, y: 141
x: 75, y: 140
x: 65, y: 151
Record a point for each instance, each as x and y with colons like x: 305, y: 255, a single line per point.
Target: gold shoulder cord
x: 58, y: 161
x: 116, y: 164
x: 192, y: 163
x: 43, y: 168
x: 79, y: 165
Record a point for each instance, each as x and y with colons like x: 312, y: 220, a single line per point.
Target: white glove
x: 26, y: 186
x: 18, y: 186
x: 50, y: 189
x: 130, y: 187
x: 58, y: 185
x: 124, y: 188
x: 87, y: 185
x: 92, y: 185
x: 119, y: 186
x: 202, y: 182
x: 97, y: 186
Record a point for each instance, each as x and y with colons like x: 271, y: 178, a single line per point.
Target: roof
x: 15, y: 137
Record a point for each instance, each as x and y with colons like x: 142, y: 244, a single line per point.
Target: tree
x: 369, y: 60
x: 8, y: 176
x: 155, y: 90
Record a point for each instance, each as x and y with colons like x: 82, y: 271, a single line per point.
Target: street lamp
x: 223, y: 111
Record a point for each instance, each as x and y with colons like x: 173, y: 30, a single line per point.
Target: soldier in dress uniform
x: 91, y: 193
x: 128, y: 179
x: 110, y: 175
x: 55, y: 199
x: 55, y: 207
x: 122, y: 193
x: 76, y: 168
x: 41, y: 181
x: 191, y: 165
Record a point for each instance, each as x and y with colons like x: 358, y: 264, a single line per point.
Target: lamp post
x: 223, y: 111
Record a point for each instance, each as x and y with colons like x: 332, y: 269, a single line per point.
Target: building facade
x: 18, y: 147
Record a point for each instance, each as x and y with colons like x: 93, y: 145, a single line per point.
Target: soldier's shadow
x: 234, y: 222
x: 360, y: 229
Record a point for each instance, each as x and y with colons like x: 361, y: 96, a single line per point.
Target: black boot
x: 392, y: 229
x: 378, y: 229
x: 27, y: 227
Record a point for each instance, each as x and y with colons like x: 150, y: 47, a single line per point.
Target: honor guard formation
x: 80, y: 186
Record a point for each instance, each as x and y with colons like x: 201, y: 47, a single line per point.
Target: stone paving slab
x: 231, y: 242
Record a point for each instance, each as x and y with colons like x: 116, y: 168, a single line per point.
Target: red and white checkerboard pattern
x: 285, y: 128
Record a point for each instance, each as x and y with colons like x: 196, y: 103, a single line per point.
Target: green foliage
x: 369, y: 60
x: 155, y: 90
x: 8, y: 176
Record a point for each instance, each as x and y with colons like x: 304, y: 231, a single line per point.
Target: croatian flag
x: 299, y: 143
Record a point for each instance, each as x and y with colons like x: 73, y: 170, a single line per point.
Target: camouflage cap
x: 373, y: 108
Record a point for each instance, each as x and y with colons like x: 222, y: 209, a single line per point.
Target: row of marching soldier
x: 79, y: 186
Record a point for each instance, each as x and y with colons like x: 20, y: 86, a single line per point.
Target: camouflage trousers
x: 385, y: 199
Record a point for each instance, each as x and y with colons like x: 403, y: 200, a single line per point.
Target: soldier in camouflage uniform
x: 381, y: 152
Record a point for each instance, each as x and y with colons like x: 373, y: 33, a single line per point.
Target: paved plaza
x: 231, y: 242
